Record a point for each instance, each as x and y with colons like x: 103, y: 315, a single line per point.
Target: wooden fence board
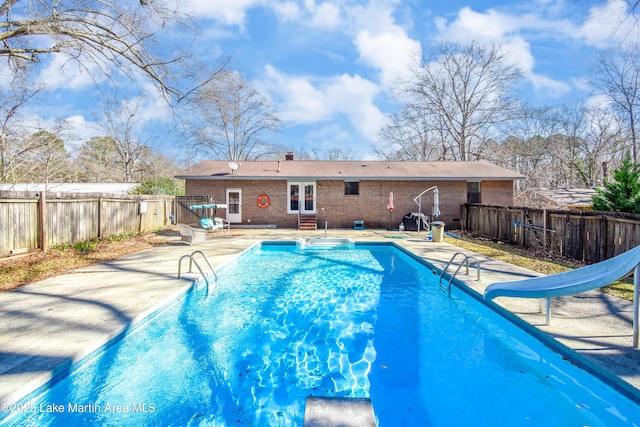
x: 15, y: 219
x: 72, y: 220
x: 585, y: 236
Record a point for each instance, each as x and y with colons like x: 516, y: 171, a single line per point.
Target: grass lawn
x: 513, y: 255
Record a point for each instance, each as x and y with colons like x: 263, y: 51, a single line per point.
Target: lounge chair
x: 570, y: 282
x: 191, y: 235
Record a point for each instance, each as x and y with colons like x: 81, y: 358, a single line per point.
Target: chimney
x: 289, y: 156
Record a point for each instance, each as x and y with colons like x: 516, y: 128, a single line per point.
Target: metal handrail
x: 193, y: 261
x: 464, y: 261
x: 449, y: 263
x: 206, y: 260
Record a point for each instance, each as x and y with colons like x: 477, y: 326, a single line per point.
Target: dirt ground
x: 19, y: 270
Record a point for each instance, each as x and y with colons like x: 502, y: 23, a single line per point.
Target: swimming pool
x: 284, y: 323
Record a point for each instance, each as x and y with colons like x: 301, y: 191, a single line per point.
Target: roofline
x: 343, y: 178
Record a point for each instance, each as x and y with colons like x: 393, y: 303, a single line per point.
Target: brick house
x: 336, y: 193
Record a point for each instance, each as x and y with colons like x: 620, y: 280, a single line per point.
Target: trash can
x: 437, y: 231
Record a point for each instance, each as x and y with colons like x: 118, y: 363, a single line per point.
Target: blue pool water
x: 283, y: 324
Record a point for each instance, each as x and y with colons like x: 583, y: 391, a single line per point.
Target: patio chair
x: 212, y: 225
x: 191, y: 235
x: 223, y: 223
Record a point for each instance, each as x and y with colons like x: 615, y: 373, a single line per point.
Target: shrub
x: 623, y: 193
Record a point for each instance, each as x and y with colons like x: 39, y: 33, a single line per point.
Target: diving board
x: 573, y: 282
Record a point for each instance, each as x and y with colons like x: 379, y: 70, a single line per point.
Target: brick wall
x: 340, y: 210
x: 497, y: 193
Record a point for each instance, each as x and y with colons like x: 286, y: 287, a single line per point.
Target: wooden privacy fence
x: 586, y: 236
x: 31, y: 221
x: 183, y: 215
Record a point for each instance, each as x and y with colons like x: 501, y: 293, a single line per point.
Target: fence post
x: 42, y: 229
x: 99, y: 217
x: 604, y: 238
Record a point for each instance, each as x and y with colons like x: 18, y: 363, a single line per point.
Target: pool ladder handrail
x: 192, y: 261
x: 465, y: 260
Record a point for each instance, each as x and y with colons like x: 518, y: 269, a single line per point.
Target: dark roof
x: 565, y: 197
x: 357, y: 170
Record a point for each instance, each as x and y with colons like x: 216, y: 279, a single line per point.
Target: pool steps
x: 323, y: 411
x: 325, y: 243
x: 465, y: 260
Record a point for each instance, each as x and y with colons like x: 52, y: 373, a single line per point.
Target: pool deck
x: 49, y: 325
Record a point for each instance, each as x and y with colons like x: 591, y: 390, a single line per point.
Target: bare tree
x: 121, y: 124
x: 14, y: 130
x: 49, y: 161
x: 565, y: 146
x: 463, y: 92
x: 97, y: 161
x: 528, y: 148
x: 410, y: 136
x: 600, y: 146
x: 105, y: 32
x: 230, y: 119
x: 617, y: 76
x: 333, y: 153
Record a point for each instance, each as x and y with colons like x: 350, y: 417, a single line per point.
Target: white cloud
x: 296, y: 98
x: 287, y: 11
x: 78, y: 130
x: 513, y: 32
x: 471, y: 25
x: 390, y: 52
x: 382, y: 43
x: 548, y: 87
x: 307, y: 100
x: 59, y: 72
x: 232, y: 13
x: 353, y: 96
x: 599, y: 101
x: 519, y: 52
x: 607, y: 24
x: 326, y: 16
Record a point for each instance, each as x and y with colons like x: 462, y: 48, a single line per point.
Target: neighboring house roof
x: 356, y: 170
x: 76, y: 188
x: 566, y: 198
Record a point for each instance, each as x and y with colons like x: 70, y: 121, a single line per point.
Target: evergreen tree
x: 623, y: 193
x: 167, y: 186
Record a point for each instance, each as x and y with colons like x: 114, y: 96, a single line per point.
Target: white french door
x: 234, y: 205
x: 301, y: 197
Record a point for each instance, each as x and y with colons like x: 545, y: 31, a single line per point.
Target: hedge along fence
x: 582, y: 235
x: 30, y: 221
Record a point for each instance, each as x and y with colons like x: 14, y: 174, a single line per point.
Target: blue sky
x: 329, y: 66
